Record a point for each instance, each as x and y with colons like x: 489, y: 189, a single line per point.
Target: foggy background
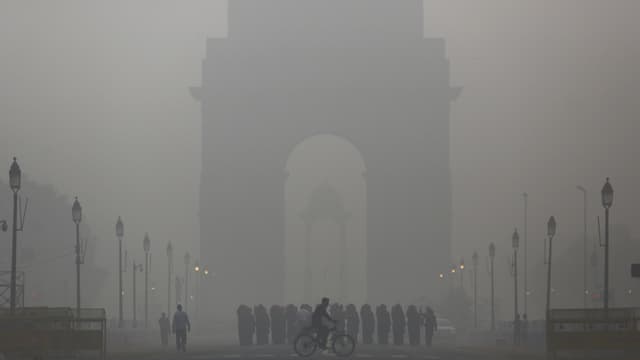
x: 94, y: 101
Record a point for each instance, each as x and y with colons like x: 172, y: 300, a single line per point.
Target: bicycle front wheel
x: 343, y: 345
x: 304, y: 345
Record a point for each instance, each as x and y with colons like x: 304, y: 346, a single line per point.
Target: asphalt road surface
x: 203, y: 352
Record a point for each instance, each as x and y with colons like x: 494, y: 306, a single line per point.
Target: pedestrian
x: 384, y: 324
x: 413, y: 325
x: 246, y: 325
x: 353, y: 321
x: 368, y: 324
x: 278, y: 324
x: 181, y: 326
x: 430, y: 325
x: 262, y: 325
x: 250, y: 324
x: 304, y: 317
x: 291, y: 316
x: 399, y: 324
x: 165, y: 327
x: 341, y: 320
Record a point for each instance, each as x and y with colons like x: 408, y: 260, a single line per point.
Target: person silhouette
x: 320, y: 314
x: 165, y: 326
x: 181, y: 326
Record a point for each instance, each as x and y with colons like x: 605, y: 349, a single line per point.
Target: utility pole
x: 136, y: 268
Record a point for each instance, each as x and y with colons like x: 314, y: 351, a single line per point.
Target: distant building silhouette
x: 290, y: 69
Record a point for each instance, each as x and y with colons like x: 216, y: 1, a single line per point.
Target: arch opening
x: 325, y: 222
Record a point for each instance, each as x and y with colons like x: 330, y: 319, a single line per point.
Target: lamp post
x: 76, y: 214
x: 136, y: 268
x: 146, y: 245
x: 187, y: 261
x: 462, y: 274
x: 492, y: 256
x: 169, y: 270
x: 584, y: 235
x: 525, y: 197
x: 551, y: 232
x: 607, y: 201
x: 120, y: 234
x: 15, y: 178
x: 196, y: 269
x: 515, y: 242
x: 475, y: 289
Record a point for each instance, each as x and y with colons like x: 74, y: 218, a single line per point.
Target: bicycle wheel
x: 304, y: 345
x: 343, y: 345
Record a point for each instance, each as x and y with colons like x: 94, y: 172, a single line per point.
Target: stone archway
x: 325, y: 221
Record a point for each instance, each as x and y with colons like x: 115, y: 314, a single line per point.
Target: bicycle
x: 307, y: 342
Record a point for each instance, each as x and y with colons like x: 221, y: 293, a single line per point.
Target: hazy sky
x: 94, y: 100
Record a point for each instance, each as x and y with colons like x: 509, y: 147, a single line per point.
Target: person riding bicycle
x: 320, y: 314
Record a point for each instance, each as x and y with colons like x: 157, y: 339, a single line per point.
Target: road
x: 374, y: 352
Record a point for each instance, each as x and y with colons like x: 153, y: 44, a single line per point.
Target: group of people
x: 179, y: 326
x: 284, y: 323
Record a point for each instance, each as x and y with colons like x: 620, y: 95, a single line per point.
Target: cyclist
x: 317, y: 318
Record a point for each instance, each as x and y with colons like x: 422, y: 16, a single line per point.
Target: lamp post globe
x: 76, y: 211
x: 119, y: 228
x: 607, y: 195
x: 146, y: 243
x: 551, y: 227
x: 15, y: 176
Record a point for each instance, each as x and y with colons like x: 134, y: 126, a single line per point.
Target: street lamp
x: 76, y: 214
x: 146, y: 245
x: 169, y: 270
x: 120, y: 234
x: 187, y: 261
x: 584, y: 235
x: 492, y: 256
x: 551, y: 232
x: 15, y: 179
x: 515, y: 242
x: 136, y: 268
x: 525, y: 196
x: 475, y: 289
x: 607, y: 201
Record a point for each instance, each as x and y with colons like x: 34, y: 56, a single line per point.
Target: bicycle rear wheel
x: 304, y: 345
x: 343, y: 345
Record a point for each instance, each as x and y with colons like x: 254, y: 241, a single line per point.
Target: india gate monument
x: 325, y: 149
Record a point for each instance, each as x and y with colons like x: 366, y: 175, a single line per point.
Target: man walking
x: 164, y: 329
x: 181, y: 325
